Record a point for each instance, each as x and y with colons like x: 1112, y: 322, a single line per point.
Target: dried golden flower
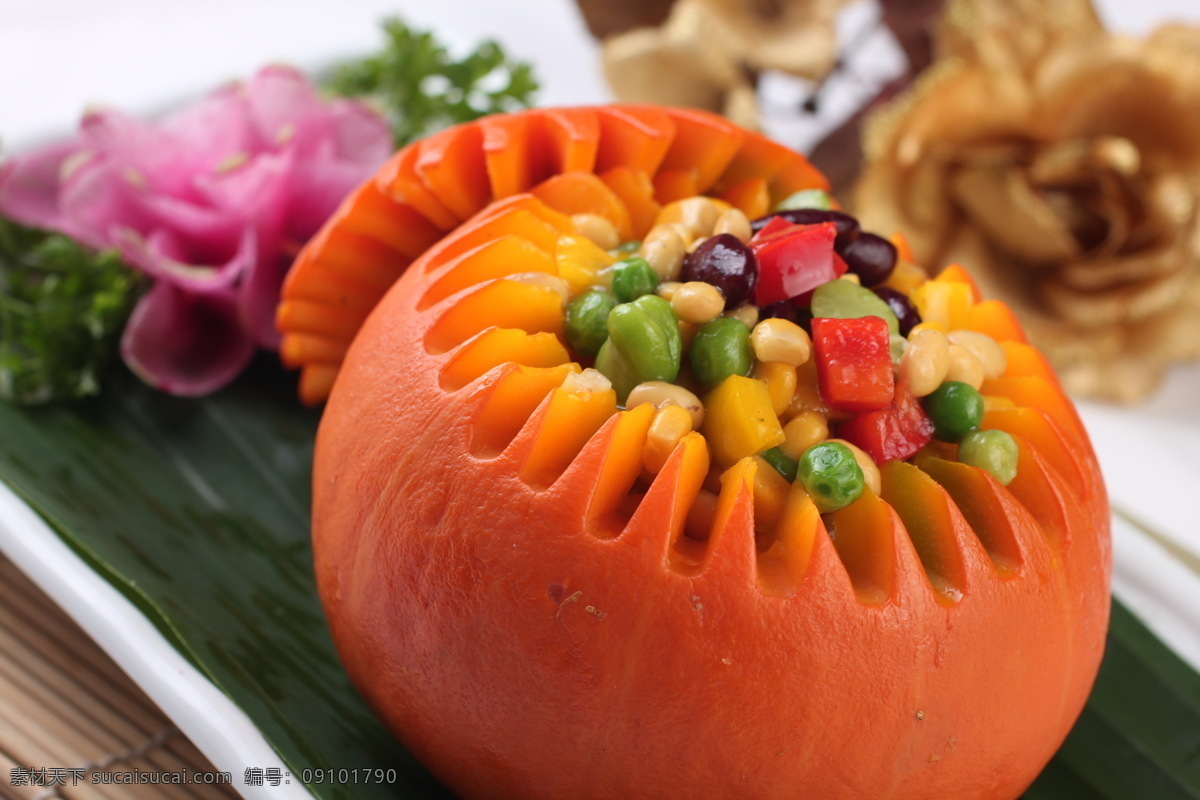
x: 1062, y: 164
x: 707, y: 52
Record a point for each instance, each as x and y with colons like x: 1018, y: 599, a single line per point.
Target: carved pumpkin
x: 525, y: 607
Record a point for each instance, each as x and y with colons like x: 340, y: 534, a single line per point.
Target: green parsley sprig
x: 62, y: 307
x: 422, y: 89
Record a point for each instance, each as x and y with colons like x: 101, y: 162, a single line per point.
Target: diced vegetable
x: 944, y: 302
x: 854, y: 362
x: 794, y: 261
x: 771, y: 226
x: 738, y: 420
x: 896, y: 432
x: 806, y: 198
x: 579, y: 261
x: 847, y: 226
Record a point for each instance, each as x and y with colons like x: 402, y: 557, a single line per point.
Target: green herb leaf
x: 61, y: 308
x: 421, y: 88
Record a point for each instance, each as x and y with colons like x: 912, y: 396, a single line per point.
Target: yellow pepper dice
x: 739, y: 420
x: 580, y: 261
x: 944, y: 303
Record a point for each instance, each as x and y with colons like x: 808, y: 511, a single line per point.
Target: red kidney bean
x: 727, y: 263
x: 872, y: 258
x: 847, y: 226
x: 906, y: 313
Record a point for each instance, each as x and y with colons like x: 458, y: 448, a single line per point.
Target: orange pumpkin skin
x: 526, y: 638
x: 529, y: 630
x: 624, y: 158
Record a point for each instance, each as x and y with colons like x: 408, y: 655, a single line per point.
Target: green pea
x: 805, y: 198
x: 633, y: 278
x: 721, y: 348
x: 992, y: 451
x: 955, y: 409
x: 840, y: 299
x: 626, y: 249
x: 897, y: 343
x: 782, y: 464
x: 643, y: 344
x: 587, y: 321
x: 831, y: 475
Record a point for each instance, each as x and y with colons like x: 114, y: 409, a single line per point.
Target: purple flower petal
x: 97, y: 199
x: 212, y: 203
x: 359, y: 134
x: 216, y: 233
x: 186, y: 344
x: 29, y: 185
x: 317, y: 189
x: 260, y: 296
x: 168, y: 257
x: 140, y: 153
x: 216, y: 128
x: 280, y: 98
x: 252, y: 190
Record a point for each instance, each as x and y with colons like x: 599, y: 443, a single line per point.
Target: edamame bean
x: 846, y: 300
x: 586, y: 327
x: 992, y: 451
x: 643, y: 344
x: 721, y: 348
x: 831, y: 475
x: 632, y: 278
x: 805, y: 198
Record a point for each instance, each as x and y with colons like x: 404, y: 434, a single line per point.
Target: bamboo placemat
x: 66, y: 706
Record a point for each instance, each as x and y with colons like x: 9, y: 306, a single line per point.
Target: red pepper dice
x: 854, y: 363
x: 793, y: 260
x: 895, y: 432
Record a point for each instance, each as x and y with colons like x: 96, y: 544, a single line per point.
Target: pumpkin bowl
x: 534, y: 614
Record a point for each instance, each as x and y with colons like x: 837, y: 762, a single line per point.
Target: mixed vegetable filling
x: 796, y: 338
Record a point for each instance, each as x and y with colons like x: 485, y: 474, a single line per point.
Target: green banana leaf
x: 197, y: 510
